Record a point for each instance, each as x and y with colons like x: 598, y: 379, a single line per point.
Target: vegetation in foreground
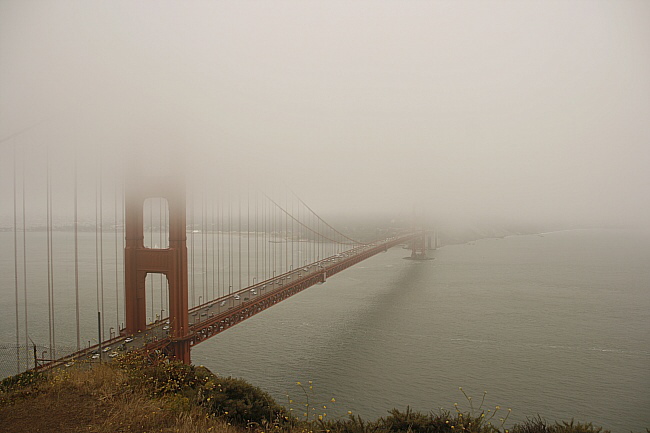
x: 136, y: 393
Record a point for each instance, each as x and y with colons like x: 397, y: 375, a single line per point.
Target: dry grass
x: 98, y: 400
x: 135, y: 393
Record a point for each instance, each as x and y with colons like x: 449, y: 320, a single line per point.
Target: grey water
x: 553, y: 324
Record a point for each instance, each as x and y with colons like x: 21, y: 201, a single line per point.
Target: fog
x: 494, y: 110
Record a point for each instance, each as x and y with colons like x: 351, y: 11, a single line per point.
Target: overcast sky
x: 526, y: 110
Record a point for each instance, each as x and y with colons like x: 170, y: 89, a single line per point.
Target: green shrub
x: 417, y: 422
x: 540, y: 425
x: 21, y: 380
x: 444, y: 421
x: 351, y: 425
x: 576, y: 427
x: 532, y: 425
x: 160, y: 376
x: 240, y: 402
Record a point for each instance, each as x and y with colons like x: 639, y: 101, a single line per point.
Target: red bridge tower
x: 172, y: 262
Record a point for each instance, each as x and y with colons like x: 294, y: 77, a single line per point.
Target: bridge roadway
x: 213, y: 317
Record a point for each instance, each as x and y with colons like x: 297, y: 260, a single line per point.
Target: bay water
x: 555, y: 324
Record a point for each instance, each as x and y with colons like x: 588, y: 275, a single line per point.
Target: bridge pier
x: 419, y: 248
x: 172, y: 262
x: 180, y: 350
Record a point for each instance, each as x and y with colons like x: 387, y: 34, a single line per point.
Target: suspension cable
x: 101, y: 240
x: 16, y: 265
x: 239, y: 237
x: 299, y: 222
x: 25, y: 258
x: 192, y: 242
x: 230, y: 257
x: 212, y: 243
x: 325, y: 222
x: 204, y: 247
x: 117, y: 290
x: 248, y: 235
x: 97, y: 293
x: 161, y: 244
x: 151, y: 245
x: 76, y: 252
x: 48, y: 225
x: 257, y: 234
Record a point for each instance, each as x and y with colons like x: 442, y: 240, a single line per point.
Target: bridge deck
x: 216, y: 316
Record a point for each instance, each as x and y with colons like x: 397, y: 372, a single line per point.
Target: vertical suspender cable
x: 221, y: 249
x: 161, y: 245
x: 268, y: 244
x: 48, y: 228
x: 248, y: 234
x: 151, y: 245
x: 299, y: 238
x: 272, y: 238
x: 264, y: 229
x: 219, y: 245
x: 269, y: 226
x: 271, y: 244
x: 101, y: 242
x: 311, y: 223
x: 117, y: 289
x: 76, y: 251
x: 263, y: 240
x: 257, y: 235
x: 51, y: 226
x: 212, y: 242
x: 230, y: 282
x: 166, y: 233
x: 276, y: 217
x: 278, y: 239
x: 192, y: 242
x: 293, y: 239
x: 239, y: 235
x: 207, y: 243
x: 286, y: 237
x: 16, y: 265
x: 203, y: 248
x: 285, y: 222
x: 25, y: 259
x: 123, y: 236
x: 281, y: 241
x: 203, y: 244
x: 97, y: 246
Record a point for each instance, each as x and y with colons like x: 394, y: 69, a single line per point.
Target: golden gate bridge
x: 167, y: 261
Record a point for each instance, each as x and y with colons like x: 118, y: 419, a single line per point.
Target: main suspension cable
x: 325, y: 222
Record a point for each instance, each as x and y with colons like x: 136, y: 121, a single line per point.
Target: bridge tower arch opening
x: 139, y: 261
x: 157, y: 288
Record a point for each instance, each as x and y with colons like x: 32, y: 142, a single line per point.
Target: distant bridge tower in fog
x: 419, y: 242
